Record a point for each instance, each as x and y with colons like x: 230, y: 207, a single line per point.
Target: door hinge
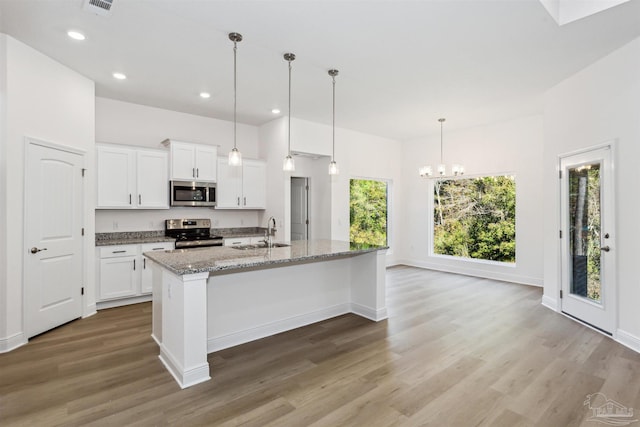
x: 306, y: 187
x: 306, y: 222
x: 82, y: 290
x: 83, y: 171
x: 560, y: 174
x: 82, y: 232
x: 560, y: 293
x: 561, y: 234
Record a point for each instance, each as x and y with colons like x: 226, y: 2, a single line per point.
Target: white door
x: 299, y: 209
x: 588, y: 238
x: 183, y: 161
x: 53, y: 257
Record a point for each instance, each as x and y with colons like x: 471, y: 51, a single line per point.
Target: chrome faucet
x: 270, y: 231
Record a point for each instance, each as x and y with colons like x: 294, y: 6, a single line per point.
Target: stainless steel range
x: 191, y: 233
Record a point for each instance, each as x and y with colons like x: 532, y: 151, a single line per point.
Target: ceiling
x: 403, y: 64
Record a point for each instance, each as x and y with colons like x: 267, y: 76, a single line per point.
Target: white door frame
x: 610, y: 294
x: 308, y: 181
x: 55, y: 146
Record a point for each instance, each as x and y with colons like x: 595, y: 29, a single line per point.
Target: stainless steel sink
x: 259, y: 246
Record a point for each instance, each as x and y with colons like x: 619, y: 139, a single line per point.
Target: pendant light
x: 427, y: 171
x: 288, y: 165
x: 235, y: 157
x: 333, y: 166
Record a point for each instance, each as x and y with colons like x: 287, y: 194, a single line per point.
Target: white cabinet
x: 118, y: 277
x: 123, y: 271
x: 241, y: 187
x: 237, y: 241
x: 131, y: 178
x: 191, y: 162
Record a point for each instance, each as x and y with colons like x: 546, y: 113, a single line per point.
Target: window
x: 368, y: 211
x: 475, y: 218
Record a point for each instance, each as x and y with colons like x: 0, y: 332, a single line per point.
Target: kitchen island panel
x: 250, y: 305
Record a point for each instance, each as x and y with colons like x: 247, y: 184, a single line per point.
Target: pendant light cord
x: 333, y: 151
x: 289, y: 133
x: 235, y: 91
x: 441, y: 149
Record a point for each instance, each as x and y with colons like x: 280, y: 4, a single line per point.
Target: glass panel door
x: 588, y: 238
x: 584, y: 230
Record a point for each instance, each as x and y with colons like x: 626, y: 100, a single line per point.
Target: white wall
x: 139, y: 125
x: 359, y: 155
x: 599, y: 104
x: 47, y: 101
x: 510, y: 147
x: 3, y: 191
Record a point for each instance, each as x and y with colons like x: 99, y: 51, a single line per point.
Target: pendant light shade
x: 333, y: 166
x: 427, y: 171
x: 235, y: 157
x: 288, y: 165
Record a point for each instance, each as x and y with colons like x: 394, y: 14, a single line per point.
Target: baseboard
x: 550, y: 303
x: 90, y: 310
x: 369, y: 313
x: 101, y: 305
x: 475, y: 272
x: 12, y: 342
x: 156, y: 339
x: 184, y: 378
x: 266, y: 330
x: 628, y: 340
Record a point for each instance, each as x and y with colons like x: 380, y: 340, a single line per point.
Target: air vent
x: 99, y: 7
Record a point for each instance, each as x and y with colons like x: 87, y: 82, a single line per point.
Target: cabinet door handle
x: 144, y: 263
x: 193, y: 172
x: 134, y: 264
x: 157, y: 249
x: 197, y: 173
x: 129, y: 198
x: 118, y: 252
x: 139, y: 199
x: 245, y: 201
x: 238, y: 201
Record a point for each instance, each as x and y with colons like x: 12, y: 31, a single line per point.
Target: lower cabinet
x: 123, y: 273
x: 229, y: 241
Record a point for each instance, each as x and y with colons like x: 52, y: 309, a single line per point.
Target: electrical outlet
x: 216, y: 222
x: 115, y: 225
x: 241, y: 221
x: 150, y: 225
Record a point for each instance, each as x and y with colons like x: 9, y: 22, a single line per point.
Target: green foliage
x: 584, y: 227
x: 476, y: 218
x: 368, y: 212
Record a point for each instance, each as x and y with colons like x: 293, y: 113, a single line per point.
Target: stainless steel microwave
x: 188, y: 193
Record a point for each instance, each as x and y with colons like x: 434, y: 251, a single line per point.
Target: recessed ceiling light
x: 76, y: 35
x: 205, y: 95
x: 119, y: 76
x: 275, y: 111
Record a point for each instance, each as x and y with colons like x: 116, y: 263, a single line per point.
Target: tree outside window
x: 368, y: 211
x: 475, y: 218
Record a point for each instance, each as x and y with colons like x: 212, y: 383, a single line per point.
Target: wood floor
x: 456, y: 351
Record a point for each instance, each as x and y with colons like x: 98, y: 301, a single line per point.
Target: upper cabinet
x: 241, y: 187
x: 191, y: 162
x: 131, y: 178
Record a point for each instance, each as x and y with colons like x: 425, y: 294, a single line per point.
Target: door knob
x: 605, y: 248
x: 35, y: 250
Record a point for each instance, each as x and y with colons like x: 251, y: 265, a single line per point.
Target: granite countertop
x: 226, y: 258
x: 137, y: 237
x: 131, y: 238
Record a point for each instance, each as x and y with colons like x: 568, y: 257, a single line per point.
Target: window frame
x: 431, y: 222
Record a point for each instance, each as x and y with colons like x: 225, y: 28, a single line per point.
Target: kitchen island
x: 208, y: 299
